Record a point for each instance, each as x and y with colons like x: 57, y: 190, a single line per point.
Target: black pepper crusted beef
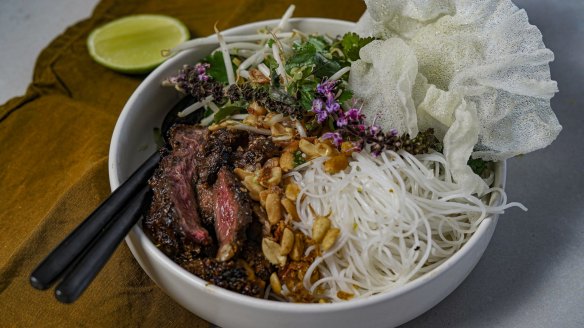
x: 232, y: 213
x: 218, y: 152
x: 195, y: 188
x: 206, y: 203
x: 173, y: 213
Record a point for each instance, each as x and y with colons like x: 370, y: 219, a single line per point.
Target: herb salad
x: 300, y: 76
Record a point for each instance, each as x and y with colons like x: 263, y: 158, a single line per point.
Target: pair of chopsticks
x: 84, y: 252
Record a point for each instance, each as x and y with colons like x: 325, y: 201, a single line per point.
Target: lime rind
x: 111, y: 44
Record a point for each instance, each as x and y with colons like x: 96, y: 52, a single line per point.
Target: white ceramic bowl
x: 132, y: 143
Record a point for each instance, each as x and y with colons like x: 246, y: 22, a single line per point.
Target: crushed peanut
x: 335, y: 164
x: 292, y: 190
x: 256, y: 76
x: 273, y: 208
x: 308, y: 148
x: 320, y: 227
x: 287, y: 242
x: 290, y: 209
x: 253, y: 187
x: 256, y: 109
x: 271, y: 250
x: 298, y: 249
x: 275, y: 283
x: 287, y: 161
x: 241, y: 173
x: 330, y: 238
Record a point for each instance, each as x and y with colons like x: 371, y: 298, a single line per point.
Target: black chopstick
x: 85, y: 270
x: 70, y: 249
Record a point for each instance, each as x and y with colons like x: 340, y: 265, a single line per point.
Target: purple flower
x: 321, y: 114
x: 335, y: 136
x: 326, y: 88
x: 201, y: 70
x: 374, y: 129
x: 332, y: 107
x: 342, y: 120
x: 317, y: 105
x: 354, y: 115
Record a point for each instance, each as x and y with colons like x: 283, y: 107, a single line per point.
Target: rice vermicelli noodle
x: 400, y: 216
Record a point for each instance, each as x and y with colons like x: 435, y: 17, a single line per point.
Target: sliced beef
x: 173, y: 219
x: 232, y: 213
x: 188, y: 139
x: 218, y: 152
x: 206, y: 203
x: 258, y: 149
x: 195, y: 188
x: 181, y: 174
x: 161, y: 224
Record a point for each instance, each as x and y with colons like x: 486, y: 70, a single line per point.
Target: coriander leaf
x: 477, y: 165
x: 224, y: 112
x: 275, y: 78
x: 298, y: 158
x: 324, y: 67
x: 306, y: 92
x: 352, y: 43
x: 271, y: 63
x: 217, y: 70
x: 303, y: 56
x: 208, y: 112
x: 345, y: 95
x: 318, y: 41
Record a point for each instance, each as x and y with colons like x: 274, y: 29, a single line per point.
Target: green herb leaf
x: 324, y: 67
x: 306, y: 92
x: 352, y: 43
x: 477, y: 165
x: 331, y: 123
x: 303, y: 56
x: 318, y: 41
x: 208, y: 112
x: 312, y: 125
x: 271, y: 63
x: 225, y: 112
x: 217, y: 70
x: 298, y: 159
x: 275, y: 78
x: 345, y: 96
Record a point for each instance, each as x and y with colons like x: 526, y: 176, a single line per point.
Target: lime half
x: 133, y: 44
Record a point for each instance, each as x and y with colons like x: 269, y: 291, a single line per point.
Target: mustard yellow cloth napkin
x: 54, y: 143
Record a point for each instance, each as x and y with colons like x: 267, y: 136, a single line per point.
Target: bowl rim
x: 207, y: 288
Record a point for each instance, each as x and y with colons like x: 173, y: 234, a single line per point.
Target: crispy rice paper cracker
x: 480, y: 55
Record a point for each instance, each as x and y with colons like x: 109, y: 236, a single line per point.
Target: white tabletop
x: 532, y: 274
x: 26, y: 27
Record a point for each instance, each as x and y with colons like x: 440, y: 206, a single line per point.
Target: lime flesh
x: 134, y: 44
